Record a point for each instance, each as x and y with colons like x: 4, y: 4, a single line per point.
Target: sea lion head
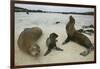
x: 35, y: 50
x: 53, y: 35
x: 71, y: 19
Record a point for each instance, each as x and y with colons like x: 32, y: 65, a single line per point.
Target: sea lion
x: 90, y: 26
x: 27, y: 41
x: 74, y: 35
x: 88, y: 31
x: 51, y: 43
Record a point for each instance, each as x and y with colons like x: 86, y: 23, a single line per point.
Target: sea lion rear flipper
x: 47, y: 52
x: 85, y: 53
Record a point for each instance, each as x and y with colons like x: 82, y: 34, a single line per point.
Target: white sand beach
x: 47, y: 22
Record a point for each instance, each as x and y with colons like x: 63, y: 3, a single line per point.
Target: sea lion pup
x: 27, y: 41
x: 51, y: 43
x: 77, y: 37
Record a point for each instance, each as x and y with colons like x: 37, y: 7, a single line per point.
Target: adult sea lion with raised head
x: 74, y: 35
x: 27, y: 41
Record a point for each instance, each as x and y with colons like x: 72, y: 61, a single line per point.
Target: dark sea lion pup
x: 77, y: 37
x: 27, y: 41
x: 51, y: 43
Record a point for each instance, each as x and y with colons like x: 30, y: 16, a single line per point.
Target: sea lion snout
x: 35, y: 53
x: 71, y: 19
x: 35, y: 50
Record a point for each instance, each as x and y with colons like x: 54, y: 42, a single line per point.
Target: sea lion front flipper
x: 47, y: 52
x: 59, y: 49
x: 67, y: 40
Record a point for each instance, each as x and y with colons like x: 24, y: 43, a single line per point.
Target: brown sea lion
x: 51, y: 43
x: 27, y: 41
x: 77, y: 37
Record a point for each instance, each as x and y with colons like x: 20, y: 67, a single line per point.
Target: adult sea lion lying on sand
x: 27, y: 41
x: 51, y: 43
x: 77, y: 37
